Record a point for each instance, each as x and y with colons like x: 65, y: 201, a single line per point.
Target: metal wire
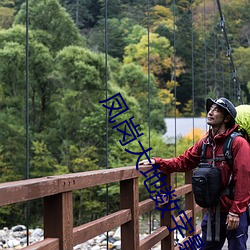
x: 193, y: 93
x: 205, y: 51
x: 106, y: 81
x: 236, y: 82
x: 175, y: 94
x: 149, y: 122
x: 27, y: 207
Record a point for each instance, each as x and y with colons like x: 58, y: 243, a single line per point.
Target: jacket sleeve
x: 185, y: 162
x: 241, y: 175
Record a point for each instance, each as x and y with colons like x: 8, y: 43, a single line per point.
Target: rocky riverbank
x: 16, y: 238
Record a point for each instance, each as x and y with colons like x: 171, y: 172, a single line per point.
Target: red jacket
x: 241, y: 167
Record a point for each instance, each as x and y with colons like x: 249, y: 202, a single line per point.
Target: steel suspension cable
x: 229, y: 54
x: 215, y: 52
x: 174, y: 72
x: 205, y: 51
x: 222, y: 68
x: 27, y: 207
x: 192, y: 77
x: 149, y: 122
x: 175, y: 94
x: 107, y: 121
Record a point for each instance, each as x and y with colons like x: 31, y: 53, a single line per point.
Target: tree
x: 161, y: 16
x: 40, y: 60
x: 118, y: 32
x: 161, y: 57
x: 6, y: 17
x: 53, y: 25
x: 242, y: 65
x: 135, y: 81
x: 84, y: 13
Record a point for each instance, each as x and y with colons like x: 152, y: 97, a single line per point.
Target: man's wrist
x: 233, y: 214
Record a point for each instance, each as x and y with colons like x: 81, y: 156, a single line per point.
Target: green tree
x: 84, y: 13
x: 136, y: 82
x: 6, y: 17
x: 53, y: 25
x: 241, y: 56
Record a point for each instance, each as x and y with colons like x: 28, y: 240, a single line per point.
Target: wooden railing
x: 56, y: 192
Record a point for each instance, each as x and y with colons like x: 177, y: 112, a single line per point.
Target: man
x: 221, y: 115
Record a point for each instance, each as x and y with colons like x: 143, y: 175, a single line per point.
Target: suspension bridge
x: 56, y: 192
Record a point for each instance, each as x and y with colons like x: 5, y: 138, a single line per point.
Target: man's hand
x: 146, y: 162
x: 232, y: 222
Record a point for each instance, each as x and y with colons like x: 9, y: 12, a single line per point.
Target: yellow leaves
x: 166, y: 96
x: 203, y: 114
x: 161, y: 16
x: 195, y: 134
x: 179, y: 66
x: 189, y: 139
x: 171, y: 85
x: 159, y: 53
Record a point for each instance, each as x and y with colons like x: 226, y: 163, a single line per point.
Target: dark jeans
x: 237, y: 238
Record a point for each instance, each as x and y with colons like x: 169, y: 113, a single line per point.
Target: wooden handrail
x: 58, y: 208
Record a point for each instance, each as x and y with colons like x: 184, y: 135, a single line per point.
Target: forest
x: 164, y: 57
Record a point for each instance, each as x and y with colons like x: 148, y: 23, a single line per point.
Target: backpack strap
x: 227, y: 148
x: 227, y: 151
x: 203, y: 152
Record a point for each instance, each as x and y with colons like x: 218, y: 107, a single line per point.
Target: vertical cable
x: 149, y: 143
x: 174, y: 73
x: 222, y: 69
x: 229, y: 84
x: 236, y: 87
x: 27, y: 207
x: 215, y: 52
x: 77, y: 13
x: 106, y: 81
x: 175, y: 94
x: 223, y: 79
x: 205, y: 51
x: 192, y: 28
x: 149, y: 122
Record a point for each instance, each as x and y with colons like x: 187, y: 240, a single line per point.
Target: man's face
x: 215, y: 116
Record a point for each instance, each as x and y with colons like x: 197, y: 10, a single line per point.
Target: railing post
x: 190, y: 203
x: 168, y: 242
x: 129, y: 198
x: 58, y: 219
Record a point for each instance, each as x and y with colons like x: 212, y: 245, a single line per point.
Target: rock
x: 111, y: 233
x: 3, y: 233
x: 23, y: 240
x: 117, y: 235
x: 95, y: 248
x: 38, y: 232
x: 117, y: 245
x: 91, y: 242
x: 100, y: 238
x: 103, y: 243
x: 111, y: 240
x: 18, y: 228
x: 16, y: 238
x: 13, y: 243
x: 80, y: 246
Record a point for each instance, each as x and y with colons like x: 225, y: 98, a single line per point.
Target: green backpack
x: 243, y: 120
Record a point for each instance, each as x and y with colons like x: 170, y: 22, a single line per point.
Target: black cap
x: 223, y: 103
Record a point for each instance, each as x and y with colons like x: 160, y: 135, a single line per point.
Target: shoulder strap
x: 227, y: 148
x: 203, y: 152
